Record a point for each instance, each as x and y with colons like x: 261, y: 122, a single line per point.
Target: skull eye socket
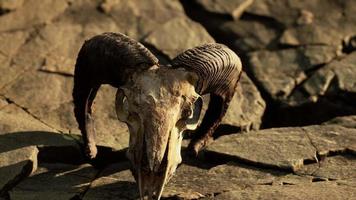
x: 192, y: 114
x: 122, y: 106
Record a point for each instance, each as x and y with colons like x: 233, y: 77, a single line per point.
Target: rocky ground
x: 290, y: 132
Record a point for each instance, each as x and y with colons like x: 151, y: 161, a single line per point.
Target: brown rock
x: 55, y: 98
x: 205, y: 182
x: 312, y: 34
x: 32, y: 13
x: 10, y: 44
x: 20, y: 134
x: 3, y: 103
x: 246, y: 107
x: 233, y: 8
x: 335, y: 168
x: 178, y: 35
x: 55, y: 181
x: 280, y: 71
x: 10, y: 4
x: 345, y: 121
x: 315, y: 191
x: 335, y: 82
x: 114, y: 182
x: 285, y: 148
x: 143, y: 18
x: 53, y: 42
x: 342, y: 72
x: 246, y: 36
x: 331, y: 138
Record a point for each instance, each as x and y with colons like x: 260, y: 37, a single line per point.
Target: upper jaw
x: 152, y: 182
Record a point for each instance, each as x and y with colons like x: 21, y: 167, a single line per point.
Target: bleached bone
x: 156, y: 102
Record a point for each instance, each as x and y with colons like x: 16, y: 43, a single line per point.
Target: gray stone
x: 55, y: 98
x: 55, y: 181
x: 192, y: 182
x: 283, y: 11
x: 178, y: 35
x: 331, y: 138
x: 10, y: 4
x: 285, y: 148
x: 143, y: 18
x: 335, y: 78
x: 334, y: 168
x: 10, y: 44
x: 189, y: 182
x: 247, y: 36
x: 25, y: 17
x: 246, y: 107
x: 56, y: 42
x: 234, y: 8
x: 20, y: 135
x: 3, y: 103
x: 314, y: 191
x: 279, y: 72
x: 305, y: 20
x: 345, y: 121
x: 114, y: 182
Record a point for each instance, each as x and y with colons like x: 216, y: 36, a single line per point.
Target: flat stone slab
x: 55, y: 181
x: 246, y: 107
x: 24, y: 17
x: 178, y: 35
x: 315, y: 191
x: 20, y: 135
x: 116, y: 181
x: 279, y: 72
x: 233, y: 8
x: 56, y: 110
x: 142, y: 20
x: 333, y: 168
x: 222, y: 182
x: 337, y: 77
x: 286, y: 148
x: 246, y: 36
x: 345, y: 121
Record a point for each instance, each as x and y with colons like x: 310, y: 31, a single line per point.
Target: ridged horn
x: 109, y: 58
x: 217, y: 66
x: 219, y: 70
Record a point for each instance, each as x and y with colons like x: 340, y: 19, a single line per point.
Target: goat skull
x: 157, y: 105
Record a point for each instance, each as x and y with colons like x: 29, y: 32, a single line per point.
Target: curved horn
x: 107, y: 58
x: 219, y: 70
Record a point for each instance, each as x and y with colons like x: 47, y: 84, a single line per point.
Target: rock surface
x: 233, y: 8
x: 299, y: 70
x: 287, y: 148
x: 246, y: 108
x: 178, y: 35
x: 20, y: 136
x: 57, y: 181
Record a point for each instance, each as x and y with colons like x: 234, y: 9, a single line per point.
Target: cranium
x: 156, y: 102
x: 157, y: 105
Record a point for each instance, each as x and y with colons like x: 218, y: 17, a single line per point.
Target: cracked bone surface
x: 157, y: 105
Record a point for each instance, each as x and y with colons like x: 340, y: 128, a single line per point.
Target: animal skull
x: 157, y: 102
x: 157, y: 105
